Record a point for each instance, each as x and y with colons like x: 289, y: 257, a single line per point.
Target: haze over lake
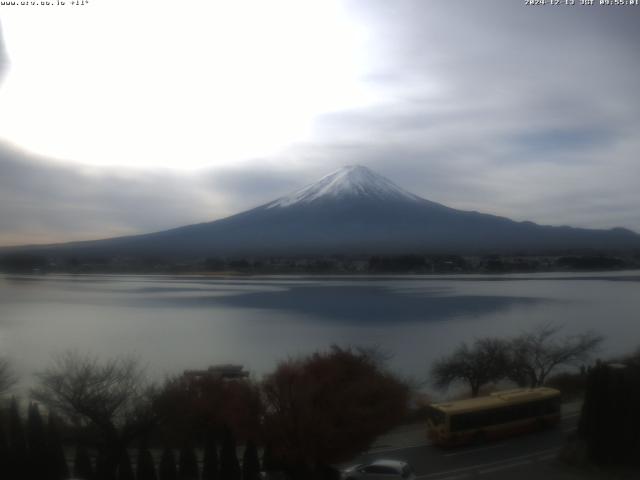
x: 176, y: 323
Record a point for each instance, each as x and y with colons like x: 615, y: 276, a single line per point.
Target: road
x: 434, y: 463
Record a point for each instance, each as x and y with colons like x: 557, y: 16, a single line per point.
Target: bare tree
x: 7, y: 377
x: 535, y: 354
x: 112, y: 396
x: 375, y: 353
x: 483, y: 362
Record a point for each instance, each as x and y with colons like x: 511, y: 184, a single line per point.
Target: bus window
x: 436, y: 416
x: 495, y: 415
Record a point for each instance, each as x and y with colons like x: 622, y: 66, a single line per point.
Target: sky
x: 129, y: 117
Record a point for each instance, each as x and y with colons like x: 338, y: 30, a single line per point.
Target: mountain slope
x: 354, y: 210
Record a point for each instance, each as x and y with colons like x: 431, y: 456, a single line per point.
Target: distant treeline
x: 326, y: 264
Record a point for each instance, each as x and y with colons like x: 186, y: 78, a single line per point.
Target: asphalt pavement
x: 530, y: 453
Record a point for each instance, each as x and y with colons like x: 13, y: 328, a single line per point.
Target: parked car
x: 380, y: 469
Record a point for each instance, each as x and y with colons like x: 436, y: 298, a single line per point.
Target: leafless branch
x: 535, y: 354
x: 110, y: 394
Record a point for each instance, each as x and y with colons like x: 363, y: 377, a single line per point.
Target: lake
x: 172, y: 323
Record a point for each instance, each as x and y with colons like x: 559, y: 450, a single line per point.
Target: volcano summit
x: 354, y: 211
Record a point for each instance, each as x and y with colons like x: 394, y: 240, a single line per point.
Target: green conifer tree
x: 104, y: 466
x: 211, y: 464
x: 37, y: 444
x: 18, y: 462
x: 82, y: 467
x: 269, y: 461
x: 188, y: 464
x: 229, y: 465
x: 250, y: 462
x: 4, y: 451
x: 146, y: 469
x: 168, y: 469
x: 125, y: 472
x: 609, y: 418
x: 57, y: 463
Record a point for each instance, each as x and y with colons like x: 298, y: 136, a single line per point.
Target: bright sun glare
x: 176, y: 84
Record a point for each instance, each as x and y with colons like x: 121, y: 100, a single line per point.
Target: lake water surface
x: 176, y: 323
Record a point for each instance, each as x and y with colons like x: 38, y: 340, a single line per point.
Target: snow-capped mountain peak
x: 351, y: 181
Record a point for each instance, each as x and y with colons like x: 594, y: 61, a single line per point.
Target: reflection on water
x: 362, y: 305
x: 173, y: 323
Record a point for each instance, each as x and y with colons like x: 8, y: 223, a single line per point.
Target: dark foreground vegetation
x: 327, y: 264
x: 103, y: 420
x: 306, y: 416
x: 607, y: 441
x: 610, y: 421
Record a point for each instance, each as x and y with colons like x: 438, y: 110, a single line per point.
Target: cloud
x: 501, y: 108
x: 4, y: 58
x: 530, y: 113
x: 44, y: 202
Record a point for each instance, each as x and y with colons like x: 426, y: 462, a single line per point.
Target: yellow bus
x: 497, y: 415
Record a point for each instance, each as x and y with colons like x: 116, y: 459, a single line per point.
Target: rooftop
x: 497, y: 399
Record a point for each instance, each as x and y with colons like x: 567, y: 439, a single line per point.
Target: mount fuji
x: 354, y: 211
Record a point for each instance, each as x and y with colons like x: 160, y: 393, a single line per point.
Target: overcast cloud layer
x: 527, y: 112
x: 4, y: 60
